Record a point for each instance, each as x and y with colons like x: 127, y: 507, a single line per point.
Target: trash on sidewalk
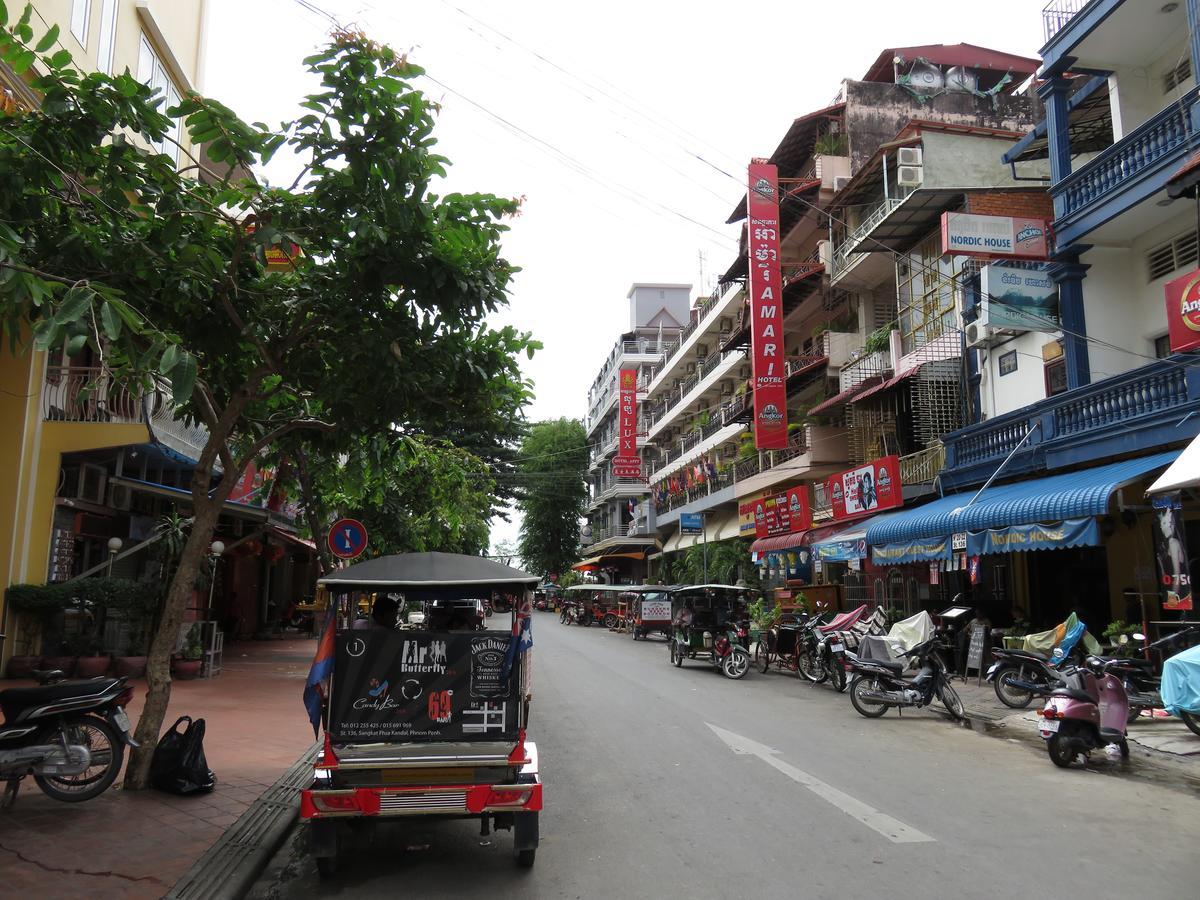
x: 179, y: 765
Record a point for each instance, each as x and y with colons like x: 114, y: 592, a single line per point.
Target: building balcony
x: 609, y: 488
x: 844, y: 254
x: 1057, y: 14
x: 1145, y: 409
x: 1125, y: 174
x: 707, y: 372
x: 923, y: 466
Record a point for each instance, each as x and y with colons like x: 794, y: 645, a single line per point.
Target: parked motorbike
x: 69, y: 735
x: 1089, y: 711
x: 1143, y: 685
x: 1020, y: 675
x: 568, y: 613
x: 878, y: 684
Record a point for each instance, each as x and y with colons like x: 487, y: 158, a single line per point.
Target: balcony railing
x: 88, y: 394
x: 1164, y: 134
x: 702, y: 313
x: 657, y: 411
x: 923, y: 466
x: 1057, y: 14
x: 1121, y: 403
x: 608, y: 532
x: 843, y: 251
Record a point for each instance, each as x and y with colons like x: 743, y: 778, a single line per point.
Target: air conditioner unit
x: 909, y: 156
x: 702, y: 350
x: 980, y: 335
x: 825, y: 253
x: 120, y: 496
x: 726, y: 388
x: 910, y: 176
x: 725, y: 324
x: 840, y: 181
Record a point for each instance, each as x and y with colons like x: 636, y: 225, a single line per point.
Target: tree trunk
x: 313, y: 513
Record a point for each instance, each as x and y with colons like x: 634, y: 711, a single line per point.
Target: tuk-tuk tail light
x: 505, y: 797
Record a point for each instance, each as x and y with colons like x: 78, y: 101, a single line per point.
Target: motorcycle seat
x: 1073, y: 694
x: 13, y: 700
x: 890, y: 664
x: 1021, y: 654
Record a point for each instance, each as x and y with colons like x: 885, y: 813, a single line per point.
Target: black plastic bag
x: 179, y: 765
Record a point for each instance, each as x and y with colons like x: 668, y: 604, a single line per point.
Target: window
x: 1056, y: 377
x: 1171, y: 256
x: 108, y: 36
x: 925, y: 292
x: 1177, y: 76
x: 151, y: 71
x: 81, y: 18
x: 1162, y: 346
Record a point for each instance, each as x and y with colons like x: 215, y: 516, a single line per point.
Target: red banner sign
x: 784, y: 513
x: 766, y: 309
x: 1183, y: 312
x: 866, y: 489
x: 627, y: 463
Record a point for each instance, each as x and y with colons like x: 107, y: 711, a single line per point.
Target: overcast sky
x: 615, y: 122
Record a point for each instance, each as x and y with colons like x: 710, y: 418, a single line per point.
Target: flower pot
x: 130, y: 666
x: 23, y: 666
x: 65, y: 663
x: 91, y: 666
x: 184, y: 669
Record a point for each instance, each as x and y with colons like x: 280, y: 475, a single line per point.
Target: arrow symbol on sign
x: 892, y: 829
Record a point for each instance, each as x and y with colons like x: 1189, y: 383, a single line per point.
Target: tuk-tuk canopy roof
x: 427, y: 570
x: 617, y: 588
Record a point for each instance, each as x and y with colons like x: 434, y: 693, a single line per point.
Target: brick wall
x: 1031, y: 204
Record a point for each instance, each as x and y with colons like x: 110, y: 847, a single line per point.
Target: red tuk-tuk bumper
x: 323, y: 801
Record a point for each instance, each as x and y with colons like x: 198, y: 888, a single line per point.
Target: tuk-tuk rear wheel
x: 676, y: 654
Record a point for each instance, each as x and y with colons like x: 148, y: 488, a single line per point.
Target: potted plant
x: 1118, y: 634
x: 91, y: 663
x: 38, y: 606
x: 191, y: 658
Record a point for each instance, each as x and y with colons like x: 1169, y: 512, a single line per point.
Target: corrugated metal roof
x: 1051, y: 499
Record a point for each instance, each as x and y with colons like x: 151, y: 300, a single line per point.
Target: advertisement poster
x: 423, y: 686
x: 1170, y: 546
x: 964, y: 234
x: 784, y: 513
x: 1183, y: 312
x: 768, y: 370
x: 1019, y: 298
x: 627, y: 463
x: 866, y: 489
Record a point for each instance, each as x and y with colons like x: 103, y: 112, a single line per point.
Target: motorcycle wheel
x: 813, y: 668
x: 1191, y: 720
x: 762, y: 657
x: 872, y: 709
x: 107, y: 755
x: 585, y: 620
x: 1062, y: 754
x: 1006, y: 693
x: 1134, y: 713
x: 609, y: 620
x: 676, y: 654
x: 950, y: 700
x: 735, y: 665
x: 837, y: 675
x: 562, y: 617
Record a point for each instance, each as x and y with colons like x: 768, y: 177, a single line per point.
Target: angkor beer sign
x: 1007, y: 237
x: 866, y: 489
x: 1183, y: 312
x: 627, y: 463
x: 766, y: 309
x: 421, y: 686
x: 783, y: 513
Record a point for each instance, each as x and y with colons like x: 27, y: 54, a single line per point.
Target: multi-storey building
x: 840, y: 297
x: 1068, y: 424
x: 90, y: 471
x: 619, y: 533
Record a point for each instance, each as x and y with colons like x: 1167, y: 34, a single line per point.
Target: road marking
x: 892, y: 829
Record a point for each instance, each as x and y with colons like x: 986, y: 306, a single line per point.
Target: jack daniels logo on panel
x: 422, y: 686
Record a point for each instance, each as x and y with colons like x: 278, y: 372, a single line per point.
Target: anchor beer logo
x: 764, y: 189
x: 771, y: 413
x: 1029, y: 233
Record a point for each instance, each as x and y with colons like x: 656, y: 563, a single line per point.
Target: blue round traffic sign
x: 347, y: 538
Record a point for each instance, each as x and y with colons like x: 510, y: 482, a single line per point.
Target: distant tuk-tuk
x: 649, y: 611
x: 710, y: 622
x: 596, y: 603
x: 426, y: 718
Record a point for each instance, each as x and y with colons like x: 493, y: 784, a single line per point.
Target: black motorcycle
x: 1142, y: 681
x: 880, y: 683
x: 69, y: 735
x: 1020, y: 675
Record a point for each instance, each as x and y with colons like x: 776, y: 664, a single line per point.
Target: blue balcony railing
x: 1144, y: 150
x: 1156, y: 404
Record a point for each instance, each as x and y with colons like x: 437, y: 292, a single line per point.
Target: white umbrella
x: 1182, y: 474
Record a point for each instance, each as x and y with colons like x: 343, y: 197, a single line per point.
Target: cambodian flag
x: 522, y: 636
x: 322, y: 668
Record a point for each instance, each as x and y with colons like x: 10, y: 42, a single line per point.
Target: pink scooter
x: 1089, y: 711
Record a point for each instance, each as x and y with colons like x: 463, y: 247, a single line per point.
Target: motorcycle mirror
x: 1058, y: 653
x: 1138, y: 636
x: 1123, y: 639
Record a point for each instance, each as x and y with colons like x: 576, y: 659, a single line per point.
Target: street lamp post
x: 114, y: 547
x: 215, y: 551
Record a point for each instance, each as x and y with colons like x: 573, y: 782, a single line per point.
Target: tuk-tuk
x: 596, y: 603
x: 710, y: 621
x: 649, y: 611
x: 426, y: 719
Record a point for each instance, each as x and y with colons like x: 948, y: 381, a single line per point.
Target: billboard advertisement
x: 995, y: 237
x: 866, y: 489
x: 768, y: 370
x: 1183, y: 312
x: 1170, y: 545
x: 1020, y: 298
x: 787, y: 512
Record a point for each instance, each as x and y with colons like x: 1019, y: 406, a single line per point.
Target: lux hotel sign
x: 766, y: 309
x: 627, y: 463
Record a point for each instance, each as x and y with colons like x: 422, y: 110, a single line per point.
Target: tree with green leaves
x: 376, y: 323
x: 552, y: 494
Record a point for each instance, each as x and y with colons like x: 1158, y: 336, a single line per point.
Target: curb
x: 228, y: 869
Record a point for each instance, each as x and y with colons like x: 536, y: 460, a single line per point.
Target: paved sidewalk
x: 134, y: 845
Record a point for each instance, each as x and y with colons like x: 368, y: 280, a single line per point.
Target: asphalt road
x: 661, y: 782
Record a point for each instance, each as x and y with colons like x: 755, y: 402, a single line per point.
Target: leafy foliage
x: 552, y: 495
